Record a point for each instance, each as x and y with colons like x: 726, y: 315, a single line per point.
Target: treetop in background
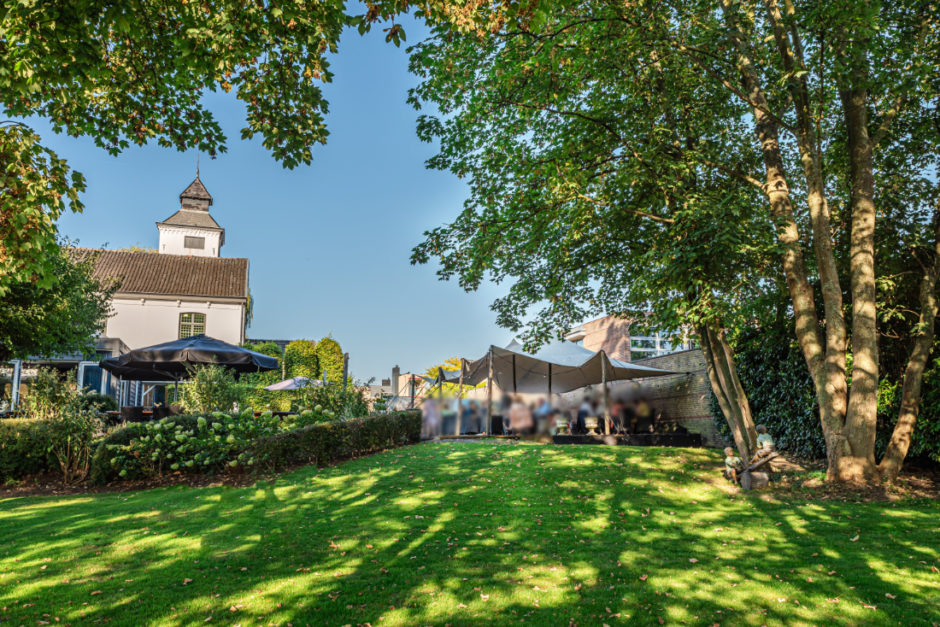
x: 330, y: 358
x: 301, y: 359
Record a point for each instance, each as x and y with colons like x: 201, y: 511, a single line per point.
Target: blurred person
x: 431, y: 423
x: 520, y: 417
x: 644, y: 416
x: 542, y: 414
x: 586, y: 409
x: 473, y: 418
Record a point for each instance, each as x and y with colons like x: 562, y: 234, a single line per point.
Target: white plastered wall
x: 143, y: 322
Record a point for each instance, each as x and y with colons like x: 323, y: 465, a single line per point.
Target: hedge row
x: 317, y: 443
x: 329, y: 442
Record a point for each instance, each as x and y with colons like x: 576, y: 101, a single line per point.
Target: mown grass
x: 471, y: 534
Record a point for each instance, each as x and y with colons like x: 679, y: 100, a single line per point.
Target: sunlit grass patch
x: 471, y: 533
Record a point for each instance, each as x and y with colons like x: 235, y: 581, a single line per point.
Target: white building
x: 184, y: 288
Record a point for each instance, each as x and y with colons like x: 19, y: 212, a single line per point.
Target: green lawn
x: 471, y: 534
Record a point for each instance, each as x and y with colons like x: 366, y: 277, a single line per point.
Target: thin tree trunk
x: 727, y: 388
x: 914, y: 371
x: 861, y: 419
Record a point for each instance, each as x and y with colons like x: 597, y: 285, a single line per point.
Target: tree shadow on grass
x: 467, y: 534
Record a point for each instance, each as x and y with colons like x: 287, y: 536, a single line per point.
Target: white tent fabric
x: 570, y: 366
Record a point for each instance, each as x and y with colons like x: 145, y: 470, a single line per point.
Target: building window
x: 192, y: 324
x: 190, y: 241
x: 646, y: 342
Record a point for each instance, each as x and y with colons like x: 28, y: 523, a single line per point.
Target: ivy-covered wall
x: 780, y: 391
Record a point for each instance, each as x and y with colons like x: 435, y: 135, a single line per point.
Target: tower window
x: 190, y: 241
x: 192, y: 324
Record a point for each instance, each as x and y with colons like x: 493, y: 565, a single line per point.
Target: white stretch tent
x: 569, y: 365
x: 556, y: 368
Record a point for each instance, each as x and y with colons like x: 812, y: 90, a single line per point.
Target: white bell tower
x: 191, y: 230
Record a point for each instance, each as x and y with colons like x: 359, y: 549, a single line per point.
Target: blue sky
x: 329, y: 243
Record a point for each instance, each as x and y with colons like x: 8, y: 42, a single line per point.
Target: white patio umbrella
x: 294, y: 383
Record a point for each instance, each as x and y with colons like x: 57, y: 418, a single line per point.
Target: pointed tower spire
x: 196, y: 196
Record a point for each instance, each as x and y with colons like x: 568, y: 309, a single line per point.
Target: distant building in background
x: 627, y: 340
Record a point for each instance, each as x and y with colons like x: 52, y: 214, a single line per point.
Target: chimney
x: 396, y: 372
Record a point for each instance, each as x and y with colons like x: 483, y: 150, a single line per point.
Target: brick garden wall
x: 681, y: 398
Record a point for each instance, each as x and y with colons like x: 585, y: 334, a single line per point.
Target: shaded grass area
x: 472, y: 534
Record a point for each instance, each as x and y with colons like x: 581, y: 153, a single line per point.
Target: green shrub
x: 333, y: 441
x: 70, y: 435
x: 98, y: 402
x: 47, y: 393
x: 348, y: 403
x: 210, y: 388
x: 190, y: 444
x: 24, y: 448
x: 102, y: 471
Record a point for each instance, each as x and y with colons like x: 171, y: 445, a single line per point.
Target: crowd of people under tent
x: 543, y: 417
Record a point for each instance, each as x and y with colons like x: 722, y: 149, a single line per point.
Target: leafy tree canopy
x: 63, y: 317
x: 133, y: 72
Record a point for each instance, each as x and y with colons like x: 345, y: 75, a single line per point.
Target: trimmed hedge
x: 329, y: 442
x: 24, y: 448
x: 317, y: 443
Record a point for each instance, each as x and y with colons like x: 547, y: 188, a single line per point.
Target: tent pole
x: 549, y: 382
x: 514, y: 374
x: 412, y: 392
x: 459, y: 395
x: 489, y: 393
x: 606, y: 393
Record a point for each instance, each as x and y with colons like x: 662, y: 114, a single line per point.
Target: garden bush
x: 188, y: 444
x: 98, y: 402
x: 71, y: 432
x: 101, y: 469
x: 210, y: 388
x: 24, y: 448
x: 46, y: 393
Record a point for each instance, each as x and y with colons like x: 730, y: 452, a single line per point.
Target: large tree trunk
x: 914, y: 371
x: 829, y: 385
x: 861, y: 419
x: 727, y: 388
x: 833, y: 377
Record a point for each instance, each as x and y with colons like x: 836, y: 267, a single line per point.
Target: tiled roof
x: 170, y: 275
x: 192, y: 217
x: 196, y: 190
